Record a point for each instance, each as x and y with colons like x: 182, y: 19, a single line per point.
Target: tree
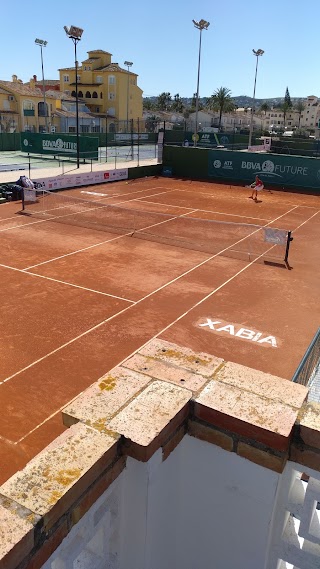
x: 147, y: 105
x: 177, y: 104
x: 164, y: 101
x: 221, y: 101
x: 265, y: 107
x: 285, y: 108
x: 300, y: 106
x: 194, y: 102
x: 151, y: 123
x: 287, y: 99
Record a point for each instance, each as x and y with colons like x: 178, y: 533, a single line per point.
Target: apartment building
x: 108, y: 90
x: 25, y: 108
x: 311, y: 115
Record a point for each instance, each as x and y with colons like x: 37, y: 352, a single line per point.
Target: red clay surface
x: 76, y: 302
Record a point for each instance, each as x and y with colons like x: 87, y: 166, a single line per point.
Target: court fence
x: 309, y: 363
x: 240, y: 168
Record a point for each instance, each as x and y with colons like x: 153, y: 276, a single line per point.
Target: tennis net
x: 238, y: 240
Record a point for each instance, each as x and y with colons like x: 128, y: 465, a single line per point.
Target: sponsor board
x: 295, y: 171
x: 29, y: 196
x: 275, y: 236
x: 85, y: 179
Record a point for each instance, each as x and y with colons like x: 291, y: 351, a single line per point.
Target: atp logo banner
x: 295, y: 171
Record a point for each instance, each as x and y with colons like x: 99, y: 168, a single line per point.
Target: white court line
x: 203, y: 210
x: 158, y: 333
x: 145, y: 344
x: 306, y: 221
x: 139, y: 301
x: 65, y: 283
x: 22, y: 225
x: 281, y: 192
x: 107, y: 196
x: 120, y: 236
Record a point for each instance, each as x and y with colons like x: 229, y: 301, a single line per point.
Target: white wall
x: 202, y: 508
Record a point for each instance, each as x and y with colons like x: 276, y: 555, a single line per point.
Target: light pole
x: 257, y: 54
x: 41, y: 44
x: 75, y: 34
x: 202, y: 25
x: 128, y: 64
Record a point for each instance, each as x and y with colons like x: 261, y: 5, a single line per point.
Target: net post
x: 22, y: 199
x: 289, y: 239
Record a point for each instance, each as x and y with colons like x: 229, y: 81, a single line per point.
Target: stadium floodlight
x: 75, y: 34
x: 128, y: 64
x: 41, y: 44
x: 257, y: 53
x: 201, y: 25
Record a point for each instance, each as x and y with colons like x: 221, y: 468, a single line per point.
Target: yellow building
x: 21, y: 107
x: 24, y: 108
x: 109, y: 91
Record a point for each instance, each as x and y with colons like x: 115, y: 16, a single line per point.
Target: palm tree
x: 177, y: 104
x: 285, y: 107
x: 265, y: 107
x: 164, y: 101
x: 221, y: 101
x: 300, y: 106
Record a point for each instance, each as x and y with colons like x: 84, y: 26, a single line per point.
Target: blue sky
x: 161, y: 41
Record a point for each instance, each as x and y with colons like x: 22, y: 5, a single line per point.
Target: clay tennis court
x: 78, y: 300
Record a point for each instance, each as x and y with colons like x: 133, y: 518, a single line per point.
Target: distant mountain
x: 240, y: 101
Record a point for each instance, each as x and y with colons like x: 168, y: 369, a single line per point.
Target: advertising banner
x: 271, y: 168
x: 60, y: 144
x: 84, y: 179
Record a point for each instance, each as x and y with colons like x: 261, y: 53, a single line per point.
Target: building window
x: 78, y: 78
x: 111, y: 80
x: 84, y: 128
x: 111, y: 111
x: 80, y: 94
x: 111, y: 96
x: 85, y: 68
x: 66, y: 78
x: 94, y: 95
x: 101, y: 96
x: 99, y: 79
x: 88, y: 95
x: 28, y: 106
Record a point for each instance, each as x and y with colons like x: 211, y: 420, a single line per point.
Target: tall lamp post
x: 41, y: 44
x: 128, y: 64
x: 257, y: 54
x: 75, y: 34
x: 202, y: 25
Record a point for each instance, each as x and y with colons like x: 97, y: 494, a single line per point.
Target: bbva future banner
x: 271, y: 168
x: 59, y: 144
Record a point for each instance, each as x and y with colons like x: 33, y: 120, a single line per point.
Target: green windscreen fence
x: 241, y: 167
x: 60, y: 144
x: 291, y: 171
